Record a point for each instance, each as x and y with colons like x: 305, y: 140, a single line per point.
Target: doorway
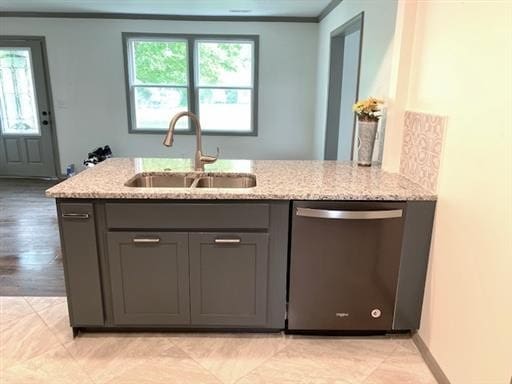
x: 28, y: 142
x: 345, y: 60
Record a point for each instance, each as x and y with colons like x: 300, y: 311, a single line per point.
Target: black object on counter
x: 97, y: 156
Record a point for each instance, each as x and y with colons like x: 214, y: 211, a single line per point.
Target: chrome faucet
x: 200, y: 160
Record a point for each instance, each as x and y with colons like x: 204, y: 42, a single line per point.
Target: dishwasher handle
x: 349, y: 215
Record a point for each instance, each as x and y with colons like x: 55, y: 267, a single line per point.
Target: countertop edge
x: 219, y: 196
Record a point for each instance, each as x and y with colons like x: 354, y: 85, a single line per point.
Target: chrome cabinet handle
x: 81, y: 216
x: 227, y: 241
x: 146, y: 240
x: 349, y: 215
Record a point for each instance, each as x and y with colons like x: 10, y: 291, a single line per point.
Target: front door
x: 27, y: 142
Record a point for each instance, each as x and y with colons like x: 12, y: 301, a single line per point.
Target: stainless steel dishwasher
x: 344, y: 264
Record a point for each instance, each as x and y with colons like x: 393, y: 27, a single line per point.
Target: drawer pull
x: 78, y: 216
x: 349, y: 215
x: 227, y: 241
x: 146, y: 240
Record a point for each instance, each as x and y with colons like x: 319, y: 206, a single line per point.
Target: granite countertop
x: 276, y: 180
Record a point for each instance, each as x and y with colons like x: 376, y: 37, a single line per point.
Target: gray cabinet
x: 149, y: 274
x: 81, y: 264
x: 223, y: 264
x: 175, y: 264
x: 228, y: 278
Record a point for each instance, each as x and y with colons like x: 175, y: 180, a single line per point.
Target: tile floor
x: 36, y: 346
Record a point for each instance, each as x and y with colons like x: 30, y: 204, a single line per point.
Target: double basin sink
x: 191, y: 180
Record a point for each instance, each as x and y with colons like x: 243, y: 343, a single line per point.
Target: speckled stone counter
x: 276, y: 180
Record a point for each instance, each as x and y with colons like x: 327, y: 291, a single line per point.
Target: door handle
x: 227, y: 241
x: 77, y: 216
x: 349, y: 215
x: 146, y: 240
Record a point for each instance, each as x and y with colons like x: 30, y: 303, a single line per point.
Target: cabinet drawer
x: 149, y: 215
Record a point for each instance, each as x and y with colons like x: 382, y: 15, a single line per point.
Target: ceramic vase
x: 367, y: 130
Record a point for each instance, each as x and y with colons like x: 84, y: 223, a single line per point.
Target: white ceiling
x: 295, y: 8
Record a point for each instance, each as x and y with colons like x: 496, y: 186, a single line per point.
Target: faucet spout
x: 199, y: 159
x: 169, y: 137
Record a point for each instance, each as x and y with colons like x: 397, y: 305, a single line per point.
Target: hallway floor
x: 30, y: 259
x: 36, y: 346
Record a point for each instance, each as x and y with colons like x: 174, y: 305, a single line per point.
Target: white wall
x: 86, y: 70
x: 401, y: 69
x: 378, y: 32
x: 462, y: 68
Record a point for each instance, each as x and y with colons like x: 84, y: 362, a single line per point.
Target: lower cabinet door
x: 150, y: 278
x: 228, y: 279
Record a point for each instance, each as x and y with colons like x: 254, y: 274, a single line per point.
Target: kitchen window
x: 215, y: 77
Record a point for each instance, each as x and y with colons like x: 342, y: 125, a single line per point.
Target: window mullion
x: 159, y: 86
x: 191, y: 76
x: 224, y: 87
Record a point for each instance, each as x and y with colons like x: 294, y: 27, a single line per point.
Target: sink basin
x: 191, y: 180
x: 226, y: 181
x: 171, y: 180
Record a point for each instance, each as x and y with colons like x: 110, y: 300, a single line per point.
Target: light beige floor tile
x: 344, y: 359
x: 256, y: 379
x: 173, y: 366
x: 402, y: 367
x: 105, y: 356
x: 24, y: 339
x: 12, y: 308
x: 407, y: 343
x: 40, y: 303
x: 53, y: 367
x: 31, y: 352
x: 324, y: 380
x: 230, y: 357
x: 57, y: 319
x: 325, y: 360
x: 287, y: 367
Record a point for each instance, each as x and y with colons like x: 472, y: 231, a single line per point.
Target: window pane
x: 225, y: 64
x: 160, y: 62
x: 18, y: 112
x: 155, y: 106
x: 225, y: 109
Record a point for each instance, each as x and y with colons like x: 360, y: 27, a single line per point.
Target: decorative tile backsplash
x: 421, y: 148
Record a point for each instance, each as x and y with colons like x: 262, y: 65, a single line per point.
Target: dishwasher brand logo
x: 341, y: 314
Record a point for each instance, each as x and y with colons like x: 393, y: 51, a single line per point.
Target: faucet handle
x: 208, y: 159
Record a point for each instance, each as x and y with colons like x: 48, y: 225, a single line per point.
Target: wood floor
x: 30, y: 257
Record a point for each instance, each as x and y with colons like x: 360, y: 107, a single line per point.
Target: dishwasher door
x: 344, y: 265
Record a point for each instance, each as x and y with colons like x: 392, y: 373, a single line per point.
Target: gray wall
x: 378, y: 34
x: 86, y: 69
x: 348, y: 95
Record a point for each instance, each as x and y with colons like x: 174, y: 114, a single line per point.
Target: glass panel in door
x: 18, y: 111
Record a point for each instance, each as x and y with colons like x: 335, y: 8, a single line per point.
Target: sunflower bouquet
x: 369, y: 109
